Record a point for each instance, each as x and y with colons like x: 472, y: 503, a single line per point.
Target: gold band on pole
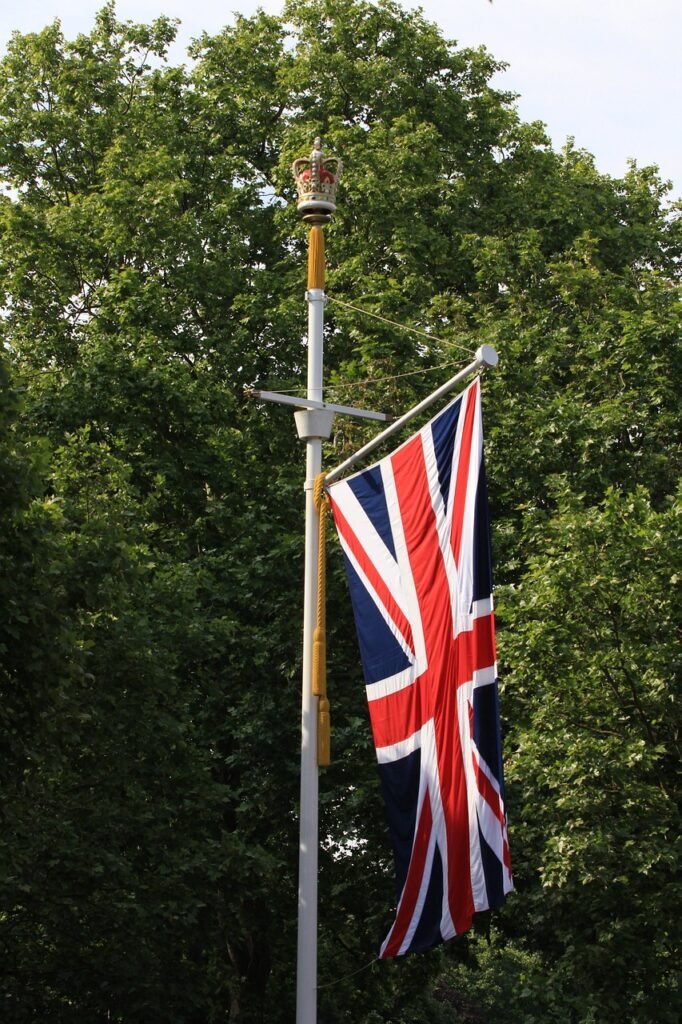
x: 316, y: 261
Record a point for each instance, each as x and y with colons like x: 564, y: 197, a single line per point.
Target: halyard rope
x: 319, y: 673
x: 394, y: 323
x: 352, y: 974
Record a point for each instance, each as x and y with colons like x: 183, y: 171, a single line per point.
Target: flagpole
x: 306, y: 978
x: 316, y: 183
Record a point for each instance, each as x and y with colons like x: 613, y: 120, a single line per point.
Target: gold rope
x: 319, y: 636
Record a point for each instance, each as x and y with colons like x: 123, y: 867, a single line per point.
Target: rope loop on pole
x: 319, y: 681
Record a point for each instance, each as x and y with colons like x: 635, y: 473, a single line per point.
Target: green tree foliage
x: 601, y: 744
x: 151, y: 267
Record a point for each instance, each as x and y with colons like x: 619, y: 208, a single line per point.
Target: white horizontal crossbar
x: 310, y: 403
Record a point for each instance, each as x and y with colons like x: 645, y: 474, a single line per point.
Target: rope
x: 342, y: 388
x: 395, y: 376
x: 330, y: 984
x: 401, y: 327
x: 319, y: 635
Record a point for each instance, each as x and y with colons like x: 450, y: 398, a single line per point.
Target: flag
x: 415, y: 535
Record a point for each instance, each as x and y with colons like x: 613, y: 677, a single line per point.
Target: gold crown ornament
x: 316, y: 179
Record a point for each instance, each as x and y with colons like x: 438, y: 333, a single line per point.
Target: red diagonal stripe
x: 421, y: 542
x: 462, y: 479
x: 413, y: 882
x: 492, y: 798
x: 383, y: 593
x: 488, y: 791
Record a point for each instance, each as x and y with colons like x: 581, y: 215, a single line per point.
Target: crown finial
x: 316, y: 179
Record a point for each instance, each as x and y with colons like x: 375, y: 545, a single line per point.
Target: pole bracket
x: 314, y: 423
x: 310, y: 403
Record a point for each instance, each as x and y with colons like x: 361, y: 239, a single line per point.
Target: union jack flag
x: 415, y: 535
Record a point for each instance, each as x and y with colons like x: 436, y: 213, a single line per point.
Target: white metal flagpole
x: 316, y: 182
x: 306, y: 978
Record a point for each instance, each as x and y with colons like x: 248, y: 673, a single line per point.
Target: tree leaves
x: 151, y: 555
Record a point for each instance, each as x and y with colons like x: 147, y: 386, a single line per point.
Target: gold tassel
x: 319, y: 673
x: 319, y: 663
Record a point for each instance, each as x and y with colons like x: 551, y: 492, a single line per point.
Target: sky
x: 606, y: 72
